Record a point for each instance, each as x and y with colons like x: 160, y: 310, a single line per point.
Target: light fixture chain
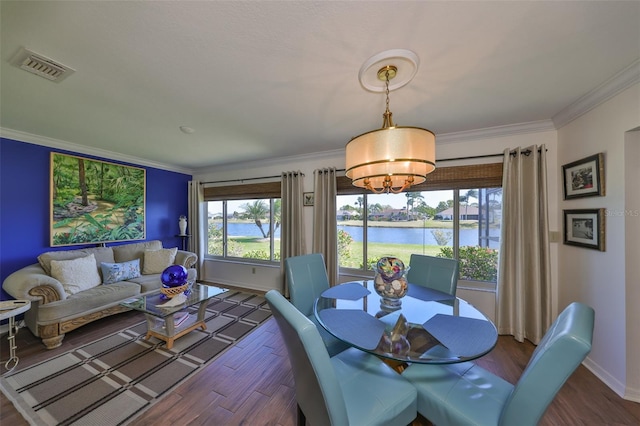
x: 387, y: 87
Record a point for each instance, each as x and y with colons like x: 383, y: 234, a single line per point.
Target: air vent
x: 38, y: 64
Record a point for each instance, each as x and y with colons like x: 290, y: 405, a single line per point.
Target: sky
x: 397, y: 201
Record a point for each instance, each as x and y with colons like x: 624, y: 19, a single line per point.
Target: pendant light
x: 393, y: 158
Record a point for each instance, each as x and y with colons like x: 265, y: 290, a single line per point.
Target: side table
x: 10, y: 309
x: 184, y: 239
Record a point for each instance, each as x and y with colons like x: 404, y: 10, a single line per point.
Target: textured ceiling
x: 261, y: 80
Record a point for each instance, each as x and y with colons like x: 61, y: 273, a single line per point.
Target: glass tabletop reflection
x: 429, y: 327
x: 160, y: 306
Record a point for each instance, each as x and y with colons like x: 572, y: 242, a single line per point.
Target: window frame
x: 270, y: 191
x: 456, y: 178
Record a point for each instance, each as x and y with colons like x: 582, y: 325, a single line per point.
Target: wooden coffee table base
x: 168, y: 332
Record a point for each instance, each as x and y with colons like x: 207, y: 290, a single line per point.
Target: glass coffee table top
x: 152, y: 303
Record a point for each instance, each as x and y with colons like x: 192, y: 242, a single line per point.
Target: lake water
x: 423, y: 236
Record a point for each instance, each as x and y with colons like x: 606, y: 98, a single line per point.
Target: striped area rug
x: 113, y: 380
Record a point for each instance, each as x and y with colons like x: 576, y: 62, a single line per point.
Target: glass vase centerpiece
x: 174, y: 281
x: 390, y: 282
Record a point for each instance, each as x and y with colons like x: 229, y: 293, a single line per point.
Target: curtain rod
x: 245, y: 179
x: 472, y: 157
x: 525, y: 152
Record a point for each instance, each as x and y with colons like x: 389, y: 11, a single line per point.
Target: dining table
x: 428, y: 326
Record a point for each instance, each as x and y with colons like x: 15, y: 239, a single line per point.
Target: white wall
x: 262, y: 277
x: 598, y: 278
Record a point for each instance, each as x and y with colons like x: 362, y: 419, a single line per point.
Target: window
x: 244, y: 221
x: 248, y: 229
x: 455, y: 214
x: 425, y: 222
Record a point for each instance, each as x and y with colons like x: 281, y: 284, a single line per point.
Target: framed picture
x: 307, y: 199
x: 95, y: 202
x: 584, y: 228
x: 584, y: 178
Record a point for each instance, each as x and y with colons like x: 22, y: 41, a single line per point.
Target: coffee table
x: 161, y: 319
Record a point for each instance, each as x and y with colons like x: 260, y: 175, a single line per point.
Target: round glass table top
x: 427, y: 327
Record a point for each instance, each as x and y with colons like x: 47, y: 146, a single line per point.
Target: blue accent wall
x: 25, y: 200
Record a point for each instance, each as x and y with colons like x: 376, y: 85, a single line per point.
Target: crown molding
x: 82, y: 149
x: 607, y: 90
x: 496, y: 132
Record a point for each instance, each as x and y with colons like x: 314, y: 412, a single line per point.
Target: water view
x: 419, y: 236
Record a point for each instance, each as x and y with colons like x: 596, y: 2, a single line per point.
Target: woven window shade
x: 243, y: 192
x: 455, y: 177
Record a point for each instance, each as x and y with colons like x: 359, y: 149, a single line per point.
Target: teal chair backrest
x: 306, y: 278
x: 439, y: 273
x: 318, y: 392
x: 560, y: 352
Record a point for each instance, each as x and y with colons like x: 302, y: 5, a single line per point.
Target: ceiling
x: 262, y: 80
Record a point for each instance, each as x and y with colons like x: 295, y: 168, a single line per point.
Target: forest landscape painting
x: 95, y: 201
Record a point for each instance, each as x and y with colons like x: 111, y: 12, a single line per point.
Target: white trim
x: 605, y: 377
x: 607, y: 90
x: 82, y: 149
x: 496, y: 132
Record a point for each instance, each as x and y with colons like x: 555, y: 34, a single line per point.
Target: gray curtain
x: 292, y: 241
x: 524, y: 277
x: 325, y: 233
x: 197, y: 223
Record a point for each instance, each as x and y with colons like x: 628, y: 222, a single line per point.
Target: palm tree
x: 411, y: 199
x: 257, y: 210
x: 472, y: 193
x: 360, y: 202
x: 277, y: 215
x: 375, y: 208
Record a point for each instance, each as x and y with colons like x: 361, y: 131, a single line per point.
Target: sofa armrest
x: 32, y: 283
x: 185, y: 258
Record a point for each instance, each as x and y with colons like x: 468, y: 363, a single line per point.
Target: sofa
x: 71, y: 288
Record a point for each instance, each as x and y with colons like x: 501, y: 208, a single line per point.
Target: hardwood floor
x: 251, y: 384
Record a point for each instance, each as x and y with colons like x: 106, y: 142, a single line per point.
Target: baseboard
x: 632, y: 395
x: 604, y: 376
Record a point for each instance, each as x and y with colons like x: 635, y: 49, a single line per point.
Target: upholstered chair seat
x: 467, y: 394
x: 348, y: 389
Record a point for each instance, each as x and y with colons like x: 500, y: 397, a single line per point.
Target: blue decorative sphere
x: 174, y: 276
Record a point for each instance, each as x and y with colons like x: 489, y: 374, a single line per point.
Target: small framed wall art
x: 584, y: 178
x: 585, y: 228
x: 307, y: 198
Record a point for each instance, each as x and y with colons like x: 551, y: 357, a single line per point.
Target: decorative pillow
x: 156, y: 261
x: 114, y: 272
x: 102, y: 254
x: 76, y: 275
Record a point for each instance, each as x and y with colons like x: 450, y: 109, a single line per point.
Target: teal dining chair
x: 438, y: 273
x: 466, y: 394
x: 306, y: 278
x: 348, y: 389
